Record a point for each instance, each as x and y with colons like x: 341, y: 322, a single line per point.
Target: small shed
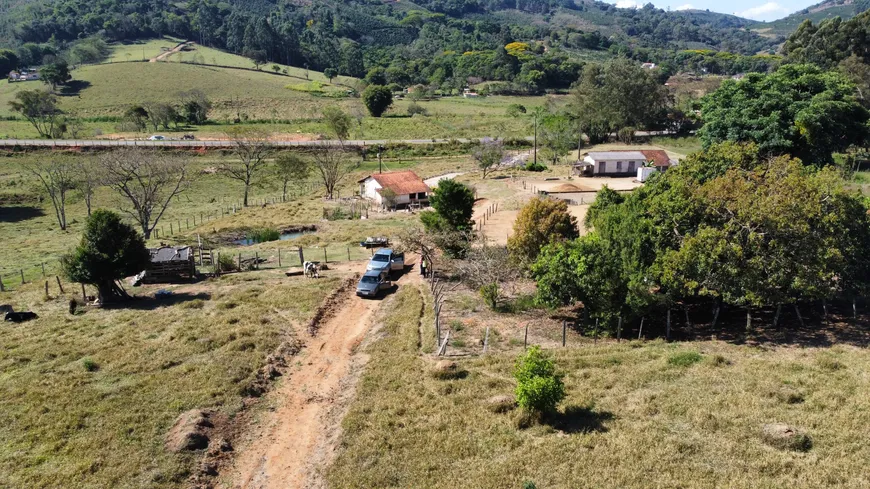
x: 170, y: 264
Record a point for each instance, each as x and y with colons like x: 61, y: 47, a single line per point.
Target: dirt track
x: 292, y: 443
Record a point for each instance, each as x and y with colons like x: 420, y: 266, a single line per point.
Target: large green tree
x: 55, y: 74
x: 377, y: 99
x: 40, y: 108
x: 540, y: 222
x: 799, y: 110
x: 109, y: 251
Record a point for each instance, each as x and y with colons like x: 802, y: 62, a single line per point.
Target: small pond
x: 282, y: 237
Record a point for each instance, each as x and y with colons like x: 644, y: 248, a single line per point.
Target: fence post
x: 301, y: 256
x: 240, y: 261
x: 171, y: 231
x: 640, y: 330
x: 348, y: 253
x: 279, y: 257
x: 325, y: 257
x: 619, y: 330
x: 59, y: 286
x: 217, y: 263
x: 486, y: 340
x: 22, y: 276
x: 257, y: 260
x: 43, y: 269
x: 668, y: 327
x: 2, y: 287
x: 564, y: 331
x: 526, y: 337
x: 46, y: 288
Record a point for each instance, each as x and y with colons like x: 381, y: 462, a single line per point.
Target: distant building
x: 469, y: 93
x: 407, y: 188
x: 622, y: 162
x: 23, y: 75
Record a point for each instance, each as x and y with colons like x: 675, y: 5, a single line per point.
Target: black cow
x: 19, y: 317
x: 4, y: 308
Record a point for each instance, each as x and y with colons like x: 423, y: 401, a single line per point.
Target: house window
x: 618, y: 166
x: 421, y: 195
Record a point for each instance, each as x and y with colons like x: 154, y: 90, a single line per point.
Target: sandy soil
x: 292, y: 443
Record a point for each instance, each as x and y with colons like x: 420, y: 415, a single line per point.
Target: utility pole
x: 536, y: 139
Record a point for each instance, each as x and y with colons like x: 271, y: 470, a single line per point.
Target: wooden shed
x: 170, y: 264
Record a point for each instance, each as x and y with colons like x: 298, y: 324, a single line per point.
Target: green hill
x: 845, y: 9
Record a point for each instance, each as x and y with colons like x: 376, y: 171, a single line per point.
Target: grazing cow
x: 311, y: 269
x: 19, y: 317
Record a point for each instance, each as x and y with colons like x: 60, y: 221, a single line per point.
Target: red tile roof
x: 657, y: 156
x: 400, y: 182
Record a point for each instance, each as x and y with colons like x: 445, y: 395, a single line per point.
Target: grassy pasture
x: 85, y: 400
x: 637, y: 415
x: 141, y: 50
x: 30, y: 234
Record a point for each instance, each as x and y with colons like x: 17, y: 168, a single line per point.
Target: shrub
x: 263, y: 235
x: 415, y: 109
x: 540, y: 222
x: 90, y: 365
x: 377, y: 99
x: 684, y: 358
x: 226, y: 262
x: 539, y: 387
x: 536, y: 167
x: 490, y: 294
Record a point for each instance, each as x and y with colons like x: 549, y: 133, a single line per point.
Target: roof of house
x: 657, y: 156
x: 170, y: 253
x: 617, y: 155
x: 400, y: 182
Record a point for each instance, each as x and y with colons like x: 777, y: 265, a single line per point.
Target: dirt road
x: 292, y: 443
x: 168, y: 53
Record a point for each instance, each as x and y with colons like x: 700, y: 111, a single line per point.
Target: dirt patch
x: 501, y: 404
x: 328, y: 308
x: 785, y: 437
x: 190, y: 431
x: 569, y: 187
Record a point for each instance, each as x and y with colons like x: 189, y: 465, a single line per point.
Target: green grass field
x: 141, y: 50
x: 637, y: 415
x: 85, y: 399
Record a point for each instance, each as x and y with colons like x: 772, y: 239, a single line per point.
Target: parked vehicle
x: 386, y: 260
x: 188, y: 137
x: 372, y: 283
x: 157, y: 137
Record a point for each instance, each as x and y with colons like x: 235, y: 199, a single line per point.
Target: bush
x: 490, y: 294
x: 226, y: 263
x: 539, y: 387
x: 415, y: 109
x: 536, y: 167
x: 377, y: 99
x: 263, y: 235
x: 684, y: 358
x: 540, y: 222
x: 90, y: 365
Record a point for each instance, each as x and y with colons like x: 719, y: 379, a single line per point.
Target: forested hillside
x: 435, y: 42
x: 829, y: 9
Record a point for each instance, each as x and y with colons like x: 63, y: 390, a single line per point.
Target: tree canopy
x: 799, y: 110
x: 110, y: 250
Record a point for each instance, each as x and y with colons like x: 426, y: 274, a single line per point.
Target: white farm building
x: 404, y: 188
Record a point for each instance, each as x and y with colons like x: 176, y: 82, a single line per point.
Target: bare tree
x: 489, y: 155
x: 330, y: 162
x: 57, y: 175
x: 488, y: 269
x: 88, y: 180
x: 252, y: 147
x: 147, y: 180
x: 290, y: 167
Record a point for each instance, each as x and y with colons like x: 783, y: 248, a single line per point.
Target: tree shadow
x: 578, y: 419
x: 73, y: 88
x: 19, y: 213
x: 153, y: 302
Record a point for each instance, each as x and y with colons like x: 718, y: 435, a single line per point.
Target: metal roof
x: 170, y: 253
x: 617, y: 155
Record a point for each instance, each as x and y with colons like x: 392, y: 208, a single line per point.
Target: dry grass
x: 638, y: 415
x: 85, y: 400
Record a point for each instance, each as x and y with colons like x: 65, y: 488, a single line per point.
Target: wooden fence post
x: 257, y: 260
x: 325, y: 258
x: 640, y: 330
x: 564, y: 331
x: 348, y: 253
x: 59, y: 286
x: 240, y: 262
x: 668, y: 326
x: 46, y: 288
x: 619, y: 330
x: 217, y: 263
x: 171, y: 231
x: 486, y: 340
x: 279, y: 257
x: 22, y: 276
x: 301, y: 256
x: 526, y: 337
x: 84, y: 296
x: 43, y: 270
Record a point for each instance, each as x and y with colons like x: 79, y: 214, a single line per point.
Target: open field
x: 31, y: 236
x: 141, y: 50
x: 637, y: 416
x: 85, y: 399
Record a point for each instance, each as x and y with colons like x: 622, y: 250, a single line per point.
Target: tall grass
x: 263, y: 235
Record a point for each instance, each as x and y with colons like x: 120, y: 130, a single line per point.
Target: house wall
x: 369, y: 189
x: 609, y: 167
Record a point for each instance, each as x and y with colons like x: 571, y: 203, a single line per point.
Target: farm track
x: 291, y: 445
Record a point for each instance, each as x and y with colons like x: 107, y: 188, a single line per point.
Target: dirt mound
x: 785, y: 437
x: 568, y: 187
x: 501, y: 404
x: 446, y: 370
x: 327, y: 309
x: 189, y: 432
